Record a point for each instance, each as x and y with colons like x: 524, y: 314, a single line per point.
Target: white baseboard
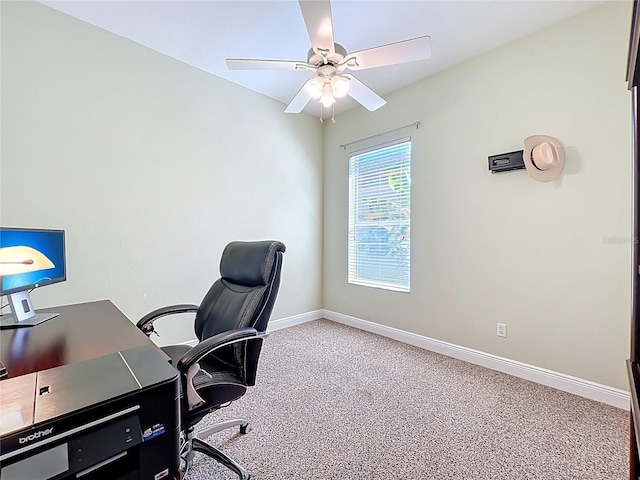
x: 578, y: 386
x: 278, y: 324
x: 584, y: 388
x: 285, y: 322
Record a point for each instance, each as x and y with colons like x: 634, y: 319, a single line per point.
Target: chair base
x: 193, y: 443
x: 218, y: 427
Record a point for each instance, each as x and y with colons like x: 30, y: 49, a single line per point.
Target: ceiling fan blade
x: 299, y: 101
x: 400, y: 52
x: 364, y: 95
x: 317, y: 18
x: 254, y: 64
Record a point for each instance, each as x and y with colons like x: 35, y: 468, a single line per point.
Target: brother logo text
x: 33, y: 436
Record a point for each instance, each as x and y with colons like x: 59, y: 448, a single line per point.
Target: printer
x: 111, y: 417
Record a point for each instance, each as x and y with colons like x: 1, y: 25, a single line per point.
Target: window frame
x: 397, y: 216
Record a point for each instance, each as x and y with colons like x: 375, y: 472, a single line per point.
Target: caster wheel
x: 244, y: 429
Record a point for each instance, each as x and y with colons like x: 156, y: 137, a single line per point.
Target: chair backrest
x: 244, y: 296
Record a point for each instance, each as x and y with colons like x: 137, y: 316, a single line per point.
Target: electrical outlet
x: 501, y: 330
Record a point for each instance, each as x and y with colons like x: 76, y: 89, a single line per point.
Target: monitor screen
x: 30, y: 258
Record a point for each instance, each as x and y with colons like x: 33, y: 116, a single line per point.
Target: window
x: 379, y: 216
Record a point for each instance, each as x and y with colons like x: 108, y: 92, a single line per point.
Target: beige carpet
x: 334, y: 402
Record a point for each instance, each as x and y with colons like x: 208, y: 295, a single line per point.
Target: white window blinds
x: 380, y: 216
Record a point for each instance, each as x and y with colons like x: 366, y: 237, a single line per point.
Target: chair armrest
x: 213, y: 343
x: 188, y: 365
x: 146, y: 323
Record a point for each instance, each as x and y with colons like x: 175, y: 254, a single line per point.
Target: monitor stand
x: 22, y: 312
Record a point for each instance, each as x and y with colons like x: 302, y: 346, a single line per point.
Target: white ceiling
x: 204, y: 33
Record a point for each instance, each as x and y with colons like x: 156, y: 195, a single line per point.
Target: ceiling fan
x: 328, y: 61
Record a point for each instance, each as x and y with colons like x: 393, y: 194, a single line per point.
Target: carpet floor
x: 333, y: 402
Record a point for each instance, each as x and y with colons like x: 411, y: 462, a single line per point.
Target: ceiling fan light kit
x: 327, y: 96
x: 340, y: 86
x: 329, y: 60
x: 314, y: 87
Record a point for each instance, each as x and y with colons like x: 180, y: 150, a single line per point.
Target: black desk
x: 81, y: 332
x: 88, y: 394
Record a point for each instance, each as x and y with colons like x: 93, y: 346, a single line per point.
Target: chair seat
x: 219, y: 385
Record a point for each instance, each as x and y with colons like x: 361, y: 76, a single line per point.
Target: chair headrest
x: 249, y: 263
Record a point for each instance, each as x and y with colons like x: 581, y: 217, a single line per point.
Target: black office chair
x: 230, y: 324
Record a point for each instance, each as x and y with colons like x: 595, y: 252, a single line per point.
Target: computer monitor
x: 29, y: 258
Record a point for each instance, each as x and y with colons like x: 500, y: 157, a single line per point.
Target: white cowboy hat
x: 543, y: 157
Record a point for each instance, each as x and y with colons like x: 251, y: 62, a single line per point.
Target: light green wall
x: 551, y: 260
x: 151, y: 166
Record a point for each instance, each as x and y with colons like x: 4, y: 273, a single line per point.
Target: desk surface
x: 81, y: 332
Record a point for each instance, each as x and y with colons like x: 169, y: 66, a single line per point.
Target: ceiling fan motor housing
x: 318, y: 60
